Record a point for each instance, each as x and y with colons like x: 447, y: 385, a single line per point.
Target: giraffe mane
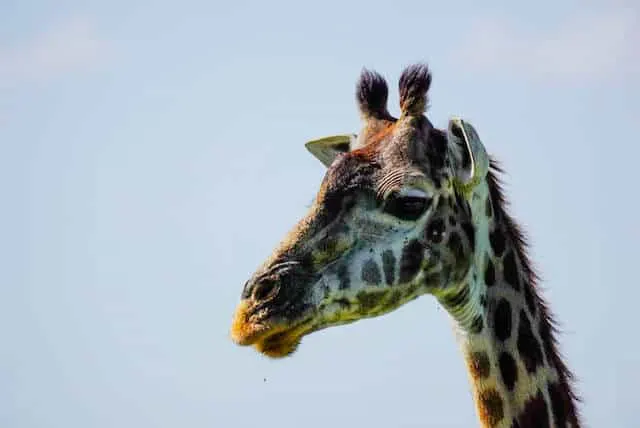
x: 549, y: 327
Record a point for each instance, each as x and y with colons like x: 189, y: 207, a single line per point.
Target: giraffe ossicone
x: 406, y: 209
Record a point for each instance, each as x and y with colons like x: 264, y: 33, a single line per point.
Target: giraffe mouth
x: 272, y: 337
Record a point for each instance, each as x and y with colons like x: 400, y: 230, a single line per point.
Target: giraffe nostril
x: 264, y: 289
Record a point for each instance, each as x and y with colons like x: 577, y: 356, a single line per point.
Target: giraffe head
x: 391, y: 221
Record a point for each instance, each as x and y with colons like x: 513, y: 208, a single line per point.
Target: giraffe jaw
x: 274, y: 338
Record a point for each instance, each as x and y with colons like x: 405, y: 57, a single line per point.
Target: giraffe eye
x: 406, y: 207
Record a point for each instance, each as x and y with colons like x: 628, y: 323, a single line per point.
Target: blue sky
x: 151, y: 155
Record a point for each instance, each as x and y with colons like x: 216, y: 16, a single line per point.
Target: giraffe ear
x: 326, y: 149
x: 470, y: 158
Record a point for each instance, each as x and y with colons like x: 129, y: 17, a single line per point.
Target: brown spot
x: 510, y: 271
x: 496, y: 238
x: 508, y: 370
x: 528, y: 346
x: 490, y: 407
x: 489, y: 273
x: 502, y: 320
x: 560, y: 404
x: 535, y: 413
x: 479, y: 365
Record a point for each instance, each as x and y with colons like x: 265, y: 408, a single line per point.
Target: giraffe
x: 407, y: 209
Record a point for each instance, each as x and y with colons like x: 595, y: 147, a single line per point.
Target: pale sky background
x: 151, y: 155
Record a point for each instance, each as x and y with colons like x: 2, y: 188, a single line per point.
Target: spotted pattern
x: 508, y: 370
x: 510, y: 271
x: 558, y: 400
x: 410, y: 261
x: 371, y: 272
x: 490, y: 407
x: 528, y: 297
x: 490, y: 273
x: 479, y: 365
x: 535, y: 413
x: 496, y: 238
x: 502, y: 320
x: 528, y: 346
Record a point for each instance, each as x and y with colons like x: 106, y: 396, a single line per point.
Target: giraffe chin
x: 272, y: 339
x: 278, y: 345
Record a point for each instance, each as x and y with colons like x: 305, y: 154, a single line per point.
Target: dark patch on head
x: 343, y: 277
x: 471, y: 234
x: 496, y: 238
x: 371, y: 273
x: 435, y: 230
x: 479, y: 365
x: 535, y: 413
x: 502, y: 320
x: 410, y: 260
x: 457, y: 299
x: 389, y: 266
x: 515, y: 424
x: 528, y: 346
x: 452, y: 220
x: 489, y: 273
x: 455, y: 245
x: 487, y: 209
x: 415, y: 81
x: 491, y: 409
x: 508, y: 370
x: 510, y: 271
x: 476, y: 325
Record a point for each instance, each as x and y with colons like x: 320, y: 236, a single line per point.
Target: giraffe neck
x: 505, y: 331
